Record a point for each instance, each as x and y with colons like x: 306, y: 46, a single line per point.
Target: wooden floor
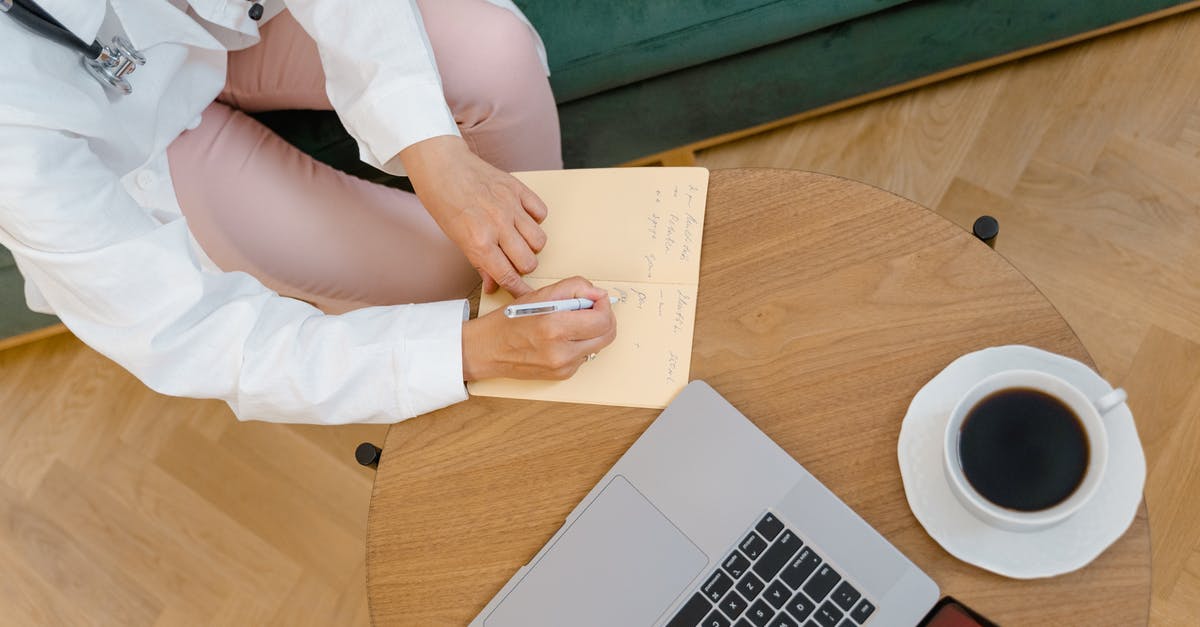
x: 122, y: 507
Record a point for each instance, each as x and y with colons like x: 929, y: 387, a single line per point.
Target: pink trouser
x: 257, y: 204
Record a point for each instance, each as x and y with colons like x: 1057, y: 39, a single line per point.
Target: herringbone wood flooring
x: 119, y: 506
x: 122, y: 507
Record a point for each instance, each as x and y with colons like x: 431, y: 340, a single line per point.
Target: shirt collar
x: 233, y: 15
x: 145, y: 21
x: 150, y: 22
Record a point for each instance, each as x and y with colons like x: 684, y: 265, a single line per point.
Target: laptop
x: 707, y: 522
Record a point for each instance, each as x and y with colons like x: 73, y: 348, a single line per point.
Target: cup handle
x: 1110, y: 401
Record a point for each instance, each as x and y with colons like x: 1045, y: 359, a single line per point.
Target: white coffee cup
x: 1091, y: 415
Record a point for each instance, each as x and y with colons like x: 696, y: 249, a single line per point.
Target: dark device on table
x: 950, y: 613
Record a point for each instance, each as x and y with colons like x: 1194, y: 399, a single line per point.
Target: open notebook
x: 635, y: 232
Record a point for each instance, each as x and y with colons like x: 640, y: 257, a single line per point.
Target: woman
x: 182, y: 239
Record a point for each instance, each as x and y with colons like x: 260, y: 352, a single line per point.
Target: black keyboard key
x: 777, y: 594
x: 750, y: 586
x: 769, y: 527
x: 800, y: 567
x: 717, y: 585
x: 733, y: 605
x: 812, y: 623
x: 846, y: 622
x: 822, y: 582
x: 783, y: 620
x: 736, y: 564
x: 800, y: 607
x: 862, y: 611
x: 714, y: 619
x: 760, y: 613
x: 753, y: 546
x: 692, y: 612
x: 776, y: 557
x: 828, y: 614
x: 846, y: 596
x: 743, y: 623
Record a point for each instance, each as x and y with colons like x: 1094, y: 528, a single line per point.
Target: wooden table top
x: 850, y: 299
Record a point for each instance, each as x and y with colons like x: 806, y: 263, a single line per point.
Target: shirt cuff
x: 389, y: 122
x: 430, y: 363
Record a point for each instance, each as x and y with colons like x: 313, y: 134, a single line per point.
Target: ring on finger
x: 589, y: 357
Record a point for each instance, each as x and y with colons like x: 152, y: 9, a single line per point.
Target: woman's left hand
x: 491, y: 216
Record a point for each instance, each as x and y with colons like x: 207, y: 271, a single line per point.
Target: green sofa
x: 637, y: 78
x: 15, y: 317
x: 761, y: 60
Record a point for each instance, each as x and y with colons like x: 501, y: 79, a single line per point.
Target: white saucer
x: 1065, y: 547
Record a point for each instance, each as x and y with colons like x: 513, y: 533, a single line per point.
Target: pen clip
x: 518, y: 310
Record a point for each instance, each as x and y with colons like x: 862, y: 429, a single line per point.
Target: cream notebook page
x: 635, y: 232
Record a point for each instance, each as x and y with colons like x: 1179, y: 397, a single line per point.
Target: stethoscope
x: 111, y: 64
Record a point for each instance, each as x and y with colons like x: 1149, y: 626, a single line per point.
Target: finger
x: 566, y: 288
x: 533, y: 205
x: 574, y: 287
x: 489, y: 285
x: 585, y: 324
x: 497, y: 266
x: 603, y: 305
x: 579, y: 353
x: 533, y: 234
x: 596, y: 344
x: 517, y: 250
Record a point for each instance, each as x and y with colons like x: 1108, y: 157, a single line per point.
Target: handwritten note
x: 635, y: 232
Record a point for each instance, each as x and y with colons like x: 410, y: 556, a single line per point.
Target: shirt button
x: 146, y: 179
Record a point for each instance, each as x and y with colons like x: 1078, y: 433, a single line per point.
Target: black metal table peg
x: 986, y: 228
x: 368, y: 454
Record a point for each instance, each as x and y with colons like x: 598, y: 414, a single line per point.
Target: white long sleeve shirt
x: 88, y: 210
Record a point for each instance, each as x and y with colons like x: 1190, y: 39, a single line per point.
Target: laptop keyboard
x: 772, y: 579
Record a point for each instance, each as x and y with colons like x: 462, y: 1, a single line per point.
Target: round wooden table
x: 824, y: 305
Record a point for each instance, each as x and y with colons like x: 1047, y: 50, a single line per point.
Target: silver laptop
x: 707, y: 522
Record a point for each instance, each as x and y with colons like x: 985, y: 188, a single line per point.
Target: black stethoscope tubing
x: 33, y: 16
x: 109, y: 65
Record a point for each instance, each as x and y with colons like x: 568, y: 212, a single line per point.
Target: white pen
x: 551, y: 306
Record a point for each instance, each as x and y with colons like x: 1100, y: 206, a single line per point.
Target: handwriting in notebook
x: 635, y: 232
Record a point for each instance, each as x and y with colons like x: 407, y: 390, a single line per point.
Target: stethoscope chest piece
x: 107, y: 64
x: 114, y: 63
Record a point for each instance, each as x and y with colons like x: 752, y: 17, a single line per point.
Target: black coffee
x: 1023, y: 449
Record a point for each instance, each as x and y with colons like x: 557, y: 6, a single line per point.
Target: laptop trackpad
x: 620, y: 563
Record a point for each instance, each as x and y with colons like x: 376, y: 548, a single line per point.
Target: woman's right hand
x: 551, y: 346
